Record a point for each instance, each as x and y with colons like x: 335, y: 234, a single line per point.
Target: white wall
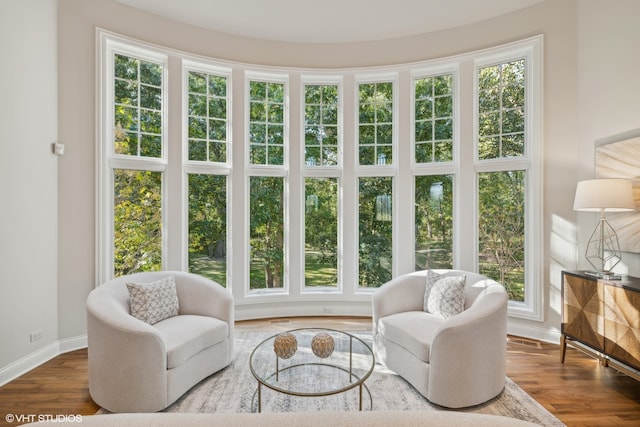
x: 609, y: 87
x: 28, y: 182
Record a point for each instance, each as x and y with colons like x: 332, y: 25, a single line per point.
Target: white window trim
x: 276, y: 171
x: 205, y: 168
x: 334, y: 171
x: 347, y: 173
x: 531, y: 51
x: 107, y: 46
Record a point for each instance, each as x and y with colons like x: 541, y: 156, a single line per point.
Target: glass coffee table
x: 312, y: 362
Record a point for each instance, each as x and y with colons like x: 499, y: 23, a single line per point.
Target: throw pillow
x: 432, y: 277
x: 447, y: 296
x: 154, y: 301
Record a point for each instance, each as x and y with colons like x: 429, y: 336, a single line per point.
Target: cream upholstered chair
x: 135, y: 366
x: 454, y: 362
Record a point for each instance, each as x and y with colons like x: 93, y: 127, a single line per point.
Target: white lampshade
x: 608, y: 195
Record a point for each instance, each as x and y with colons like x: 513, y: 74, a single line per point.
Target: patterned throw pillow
x: 154, y: 301
x: 432, y: 278
x: 447, y: 296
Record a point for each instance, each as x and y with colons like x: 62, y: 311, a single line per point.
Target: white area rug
x: 234, y: 390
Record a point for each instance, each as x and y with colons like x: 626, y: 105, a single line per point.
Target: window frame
x: 376, y: 170
x: 205, y: 167
x: 403, y: 169
x: 322, y: 171
x: 531, y: 162
x: 107, y: 160
x: 275, y: 171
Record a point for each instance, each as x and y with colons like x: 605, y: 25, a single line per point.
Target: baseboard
x: 40, y: 356
x: 540, y: 334
x: 72, y: 344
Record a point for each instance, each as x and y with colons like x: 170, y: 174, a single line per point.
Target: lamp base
x: 606, y: 275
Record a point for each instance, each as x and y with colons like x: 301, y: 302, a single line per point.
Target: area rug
x: 234, y: 389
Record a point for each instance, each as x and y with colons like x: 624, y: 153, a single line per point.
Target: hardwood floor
x: 579, y: 392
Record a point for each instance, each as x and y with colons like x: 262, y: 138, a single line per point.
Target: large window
x: 321, y: 185
x: 134, y: 153
x: 206, y: 151
x: 375, y: 189
x: 501, y: 193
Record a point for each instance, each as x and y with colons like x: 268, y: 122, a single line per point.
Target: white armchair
x: 139, y: 367
x: 454, y: 362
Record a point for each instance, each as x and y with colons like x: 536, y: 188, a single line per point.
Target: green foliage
x: 501, y: 115
x: 208, y: 225
x: 375, y: 231
x: 376, y: 123
x: 138, y: 107
x: 434, y: 221
x: 137, y: 239
x: 502, y: 225
x: 434, y: 119
x: 266, y: 123
x: 207, y: 106
x: 321, y: 125
x: 266, y: 234
x: 321, y: 231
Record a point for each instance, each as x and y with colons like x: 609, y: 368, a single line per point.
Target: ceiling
x: 328, y: 21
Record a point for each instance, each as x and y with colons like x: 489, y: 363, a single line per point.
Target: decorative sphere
x: 285, y: 345
x: 322, y: 345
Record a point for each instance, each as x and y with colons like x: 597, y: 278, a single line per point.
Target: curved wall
x: 78, y: 20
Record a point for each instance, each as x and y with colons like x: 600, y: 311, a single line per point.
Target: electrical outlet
x: 35, y: 335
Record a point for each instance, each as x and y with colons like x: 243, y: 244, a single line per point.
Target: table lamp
x: 604, y: 195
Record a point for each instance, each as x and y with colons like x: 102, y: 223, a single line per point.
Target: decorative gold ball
x: 285, y: 345
x: 322, y: 345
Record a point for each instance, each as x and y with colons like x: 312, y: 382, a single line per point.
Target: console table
x: 603, y: 316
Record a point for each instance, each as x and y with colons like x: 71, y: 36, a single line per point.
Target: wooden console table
x: 603, y: 316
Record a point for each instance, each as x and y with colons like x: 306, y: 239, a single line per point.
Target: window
x: 434, y: 221
x: 433, y: 113
x: 137, y: 89
x: 321, y: 125
x: 375, y: 136
x: 501, y: 110
x: 132, y: 226
x: 206, y: 166
x: 502, y: 213
x: 266, y: 234
x: 267, y: 186
x: 508, y: 174
x: 137, y: 221
x: 207, y: 109
x: 335, y: 188
x: 321, y: 232
x: 207, y: 240
x: 322, y: 165
x: 266, y: 123
x: 375, y: 231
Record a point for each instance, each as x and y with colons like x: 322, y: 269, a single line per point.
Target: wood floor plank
x: 580, y: 392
